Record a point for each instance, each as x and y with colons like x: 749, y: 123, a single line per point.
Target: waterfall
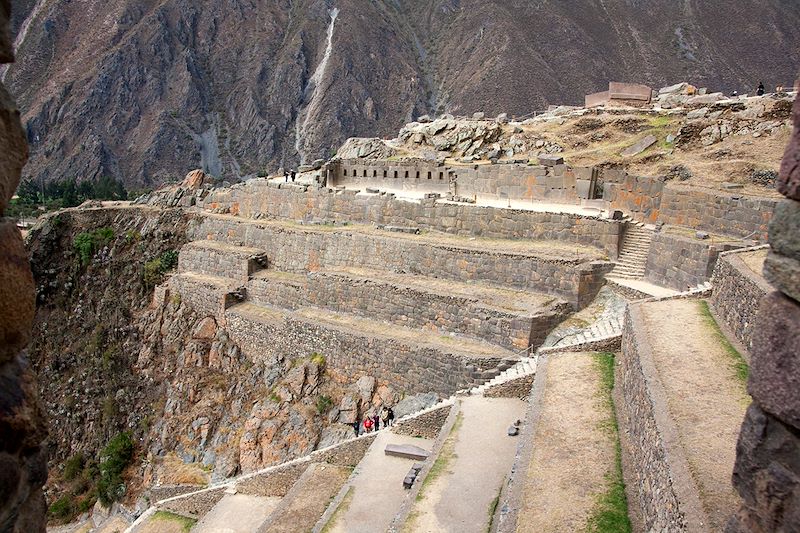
x: 313, y: 86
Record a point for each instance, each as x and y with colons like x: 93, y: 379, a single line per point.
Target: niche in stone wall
x: 429, y: 175
x: 406, y: 173
x: 344, y: 172
x: 441, y: 175
x: 384, y: 173
x: 365, y: 173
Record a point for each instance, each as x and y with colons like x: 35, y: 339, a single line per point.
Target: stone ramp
x: 470, y: 470
x: 684, y: 405
x: 573, y: 451
x: 307, y: 500
x: 237, y: 513
x: 375, y: 492
x: 510, y: 318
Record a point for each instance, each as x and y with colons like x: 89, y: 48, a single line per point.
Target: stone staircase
x: 632, y: 258
x: 525, y: 367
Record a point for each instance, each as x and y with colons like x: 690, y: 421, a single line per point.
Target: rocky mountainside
x: 147, y: 90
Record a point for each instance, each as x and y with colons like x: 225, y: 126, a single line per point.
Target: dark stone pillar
x: 23, y: 457
x: 767, y: 470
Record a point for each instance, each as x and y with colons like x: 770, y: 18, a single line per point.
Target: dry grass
x: 175, y: 471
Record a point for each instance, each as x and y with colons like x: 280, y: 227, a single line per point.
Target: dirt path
x: 237, y: 513
x: 705, y: 399
x: 377, y: 492
x: 573, y: 452
x: 460, y: 499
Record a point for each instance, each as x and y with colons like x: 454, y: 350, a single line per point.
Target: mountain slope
x: 146, y: 90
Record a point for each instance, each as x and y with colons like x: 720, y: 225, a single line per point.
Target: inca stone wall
x: 737, y: 295
x: 730, y: 213
x: 412, y: 369
x: 215, y: 259
x: 257, y: 198
x: 515, y: 181
x: 373, y: 298
x: 767, y: 470
x: 638, y: 195
x: 663, y: 488
x: 681, y: 262
x: 23, y: 455
x: 309, y: 250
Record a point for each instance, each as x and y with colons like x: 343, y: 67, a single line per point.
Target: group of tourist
x: 373, y: 423
x: 289, y: 174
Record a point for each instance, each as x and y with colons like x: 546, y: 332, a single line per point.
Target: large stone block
x: 17, y: 292
x: 6, y: 44
x: 784, y: 273
x: 789, y: 179
x: 767, y: 475
x: 13, y: 148
x: 784, y: 229
x: 775, y: 367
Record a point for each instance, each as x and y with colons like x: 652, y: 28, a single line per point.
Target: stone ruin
x: 23, y: 428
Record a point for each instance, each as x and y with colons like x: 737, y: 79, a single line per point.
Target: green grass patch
x: 185, y: 522
x: 493, y: 509
x: 340, y: 511
x: 738, y: 363
x: 610, y: 511
x: 660, y: 121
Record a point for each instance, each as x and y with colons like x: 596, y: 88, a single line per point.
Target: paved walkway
x: 459, y: 499
x: 377, y: 492
x: 237, y: 513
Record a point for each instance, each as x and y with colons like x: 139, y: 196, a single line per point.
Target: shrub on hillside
x: 115, y: 457
x: 86, y: 244
x: 155, y: 269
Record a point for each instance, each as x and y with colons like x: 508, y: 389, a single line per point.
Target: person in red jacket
x: 367, y: 425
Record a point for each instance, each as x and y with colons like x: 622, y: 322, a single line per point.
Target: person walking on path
x: 376, y: 422
x: 367, y: 425
x: 293, y: 175
x: 356, y: 426
x: 391, y: 417
x: 760, y: 90
x: 286, y: 176
x: 385, y: 417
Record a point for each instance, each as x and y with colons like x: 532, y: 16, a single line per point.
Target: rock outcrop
x: 23, y: 456
x: 767, y: 471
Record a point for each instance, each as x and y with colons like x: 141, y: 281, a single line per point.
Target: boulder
x: 415, y: 403
x: 205, y: 329
x: 480, y: 115
x: 704, y: 99
x: 195, y: 180
x: 678, y: 88
x: 423, y: 119
x: 639, y: 147
x: 502, y: 118
x: 789, y: 179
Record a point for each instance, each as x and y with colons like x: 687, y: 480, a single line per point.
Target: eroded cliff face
x: 117, y: 353
x: 145, y: 91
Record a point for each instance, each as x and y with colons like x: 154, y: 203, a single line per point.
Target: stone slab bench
x: 406, y: 451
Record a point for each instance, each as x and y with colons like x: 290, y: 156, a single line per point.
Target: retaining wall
x: 409, y: 307
x: 738, y: 292
x: 728, y: 213
x: 300, y: 251
x: 681, y: 262
x: 410, y: 368
x: 639, y: 196
x: 666, y: 496
x: 257, y: 198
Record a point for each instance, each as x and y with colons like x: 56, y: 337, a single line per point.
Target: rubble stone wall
x: 300, y: 251
x: 681, y: 262
x: 408, y: 307
x: 257, y: 198
x: 737, y: 295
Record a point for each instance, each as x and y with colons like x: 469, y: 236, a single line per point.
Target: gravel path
x: 460, y: 499
x: 705, y: 399
x: 572, y: 451
x: 377, y: 492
